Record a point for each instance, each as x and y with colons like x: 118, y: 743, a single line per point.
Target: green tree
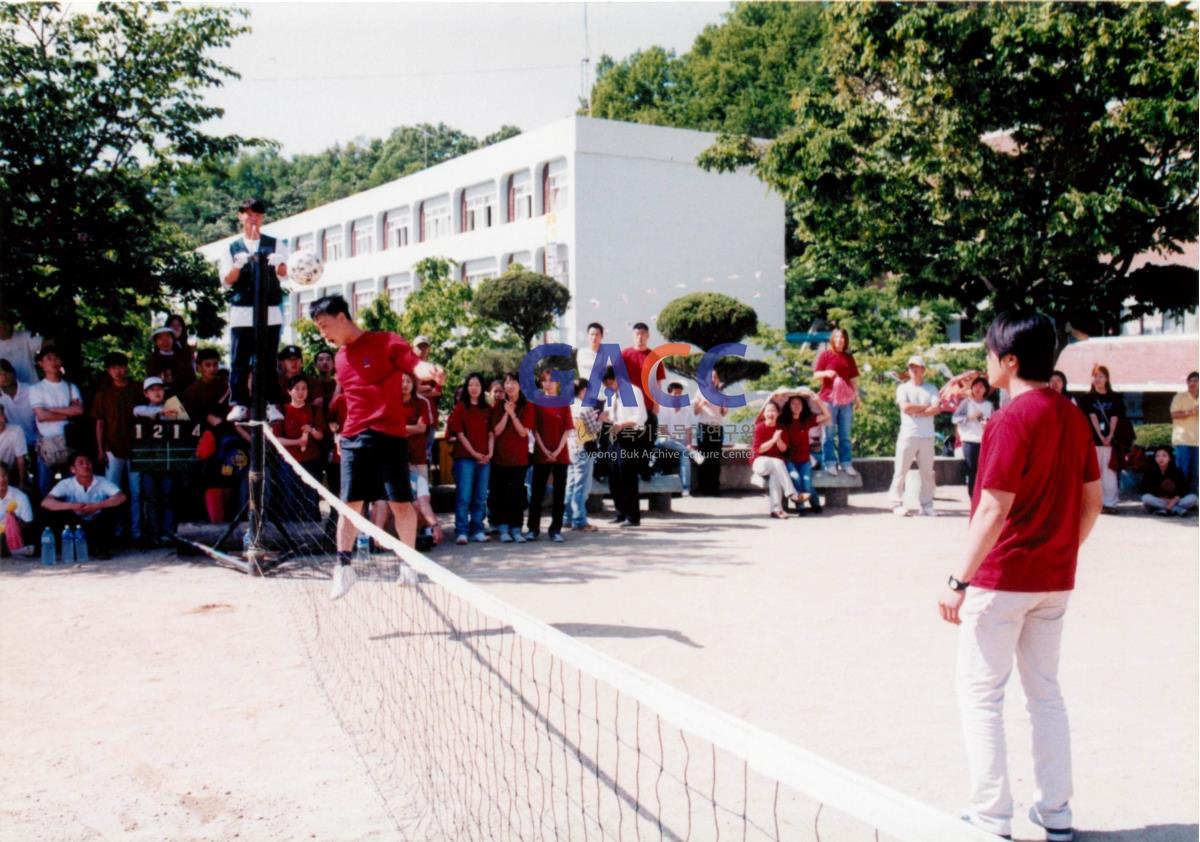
x: 999, y: 155
x: 97, y: 112
x: 638, y: 89
x: 527, y: 302
x: 708, y: 319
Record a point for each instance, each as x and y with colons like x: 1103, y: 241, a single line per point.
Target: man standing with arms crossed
x: 374, y: 439
x: 1036, y: 499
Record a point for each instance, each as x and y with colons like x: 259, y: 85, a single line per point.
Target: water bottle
x: 246, y: 543
x: 362, y: 547
x: 68, y: 546
x: 49, y: 556
x: 81, y: 547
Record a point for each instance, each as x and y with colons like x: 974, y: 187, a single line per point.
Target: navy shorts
x: 375, y: 467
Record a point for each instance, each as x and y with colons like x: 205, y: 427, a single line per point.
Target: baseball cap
x: 151, y: 381
x: 161, y: 330
x: 917, y: 359
x: 290, y: 351
x: 255, y: 205
x: 421, y: 340
x: 49, y: 349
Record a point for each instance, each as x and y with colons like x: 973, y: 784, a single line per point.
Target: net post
x: 258, y: 413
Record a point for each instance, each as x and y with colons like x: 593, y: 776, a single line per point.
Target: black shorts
x: 375, y: 467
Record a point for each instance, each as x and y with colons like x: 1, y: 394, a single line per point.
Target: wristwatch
x: 956, y: 585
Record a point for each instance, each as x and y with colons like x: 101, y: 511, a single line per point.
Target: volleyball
x: 304, y: 268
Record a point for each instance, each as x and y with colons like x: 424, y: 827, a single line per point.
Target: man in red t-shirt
x: 374, y: 434
x: 1036, y: 499
x: 635, y: 359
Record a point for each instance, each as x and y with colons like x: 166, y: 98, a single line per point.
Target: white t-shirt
x: 12, y: 444
x: 620, y: 413
x: 972, y: 429
x: 49, y: 395
x: 676, y: 424
x: 20, y: 350
x: 70, y: 490
x: 18, y: 411
x: 23, y: 510
x: 916, y: 426
x: 244, y: 316
x: 585, y: 359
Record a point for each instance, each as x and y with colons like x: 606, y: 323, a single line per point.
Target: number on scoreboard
x: 163, y: 445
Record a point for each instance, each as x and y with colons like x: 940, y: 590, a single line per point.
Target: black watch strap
x: 956, y: 585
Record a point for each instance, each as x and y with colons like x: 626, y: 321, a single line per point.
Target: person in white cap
x: 176, y: 370
x: 918, y: 402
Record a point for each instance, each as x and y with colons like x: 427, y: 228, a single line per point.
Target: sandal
x: 779, y: 515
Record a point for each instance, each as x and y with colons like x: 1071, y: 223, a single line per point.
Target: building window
x: 479, y: 207
x: 304, y: 242
x: 476, y: 272
x: 331, y: 244
x: 435, y: 218
x: 362, y: 237
x: 399, y: 288
x: 554, y: 186
x: 522, y: 257
x: 395, y: 228
x: 556, y: 263
x: 364, y: 294
x: 302, y: 301
x: 520, y: 197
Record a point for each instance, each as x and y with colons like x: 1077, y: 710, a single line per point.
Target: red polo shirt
x: 369, y: 370
x: 512, y: 448
x: 551, y: 422
x: 799, y: 444
x: 472, y: 422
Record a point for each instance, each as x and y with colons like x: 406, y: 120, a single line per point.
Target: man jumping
x: 374, y: 442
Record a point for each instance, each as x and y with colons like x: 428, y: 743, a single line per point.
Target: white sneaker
x: 343, y: 580
x: 927, y: 511
x: 461, y: 540
x: 480, y: 538
x: 1053, y: 834
x: 237, y: 413
x: 697, y: 456
x: 273, y: 414
x: 849, y: 471
x: 832, y: 470
x: 408, y: 577
x: 900, y: 511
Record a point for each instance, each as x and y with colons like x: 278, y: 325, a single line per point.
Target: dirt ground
x: 152, y: 698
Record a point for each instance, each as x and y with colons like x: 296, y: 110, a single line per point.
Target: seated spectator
x: 676, y: 431
x: 970, y: 417
x: 301, y: 432
x: 207, y: 398
x: 13, y: 448
x: 54, y: 402
x: 14, y: 397
x: 158, y: 487
x: 175, y: 370
x: 113, y: 411
x: 798, y: 419
x: 768, y: 451
x: 20, y: 349
x: 84, y: 499
x: 1185, y: 431
x: 1164, y: 487
x: 291, y: 365
x: 1058, y: 382
x: 16, y: 519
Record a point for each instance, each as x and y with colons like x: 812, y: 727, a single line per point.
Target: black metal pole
x: 258, y: 411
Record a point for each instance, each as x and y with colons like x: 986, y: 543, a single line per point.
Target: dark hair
x: 1107, y: 378
x: 330, y: 305
x: 513, y: 376
x: 5, y: 416
x: 256, y: 205
x: 49, y: 349
x: 182, y: 323
x: 640, y: 326
x: 785, y: 412
x: 1191, y: 374
x: 298, y: 378
x: 465, y: 397
x: 5, y: 365
x: 581, y: 385
x: 987, y: 387
x: 610, y: 373
x: 115, y: 358
x: 674, y: 384
x: 844, y: 333
x: 596, y: 325
x: 80, y: 454
x: 1028, y: 336
x: 1060, y: 376
x: 207, y: 354
x: 328, y: 351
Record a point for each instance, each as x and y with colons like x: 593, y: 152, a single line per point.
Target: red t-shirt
x: 763, y: 434
x: 551, y: 422
x: 634, y: 360
x: 840, y: 362
x: 416, y: 411
x: 369, y: 370
x: 470, y: 421
x: 1040, y: 449
x: 291, y: 427
x: 799, y: 445
x: 512, y: 448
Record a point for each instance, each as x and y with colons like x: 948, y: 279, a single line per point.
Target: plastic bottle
x: 362, y: 547
x: 246, y: 542
x: 68, y: 545
x: 49, y: 556
x: 81, y: 547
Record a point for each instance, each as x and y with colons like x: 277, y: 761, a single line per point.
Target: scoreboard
x: 164, y: 445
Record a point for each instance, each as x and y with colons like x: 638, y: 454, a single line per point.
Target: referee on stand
x: 373, y: 438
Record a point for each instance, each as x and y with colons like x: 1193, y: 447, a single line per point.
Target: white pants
x: 907, y: 449
x: 779, y: 484
x: 1110, y: 483
x: 995, y: 626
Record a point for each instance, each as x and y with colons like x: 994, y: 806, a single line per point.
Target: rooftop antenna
x: 585, y: 68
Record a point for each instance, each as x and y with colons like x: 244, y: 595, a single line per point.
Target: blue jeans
x: 579, y: 486
x: 801, y: 474
x: 128, y: 480
x: 685, y: 463
x: 470, y: 495
x: 1185, y: 460
x: 843, y: 415
x: 158, y: 495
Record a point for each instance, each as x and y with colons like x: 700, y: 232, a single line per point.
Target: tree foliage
x: 97, y: 112
x: 999, y: 155
x: 528, y: 302
x: 708, y: 319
